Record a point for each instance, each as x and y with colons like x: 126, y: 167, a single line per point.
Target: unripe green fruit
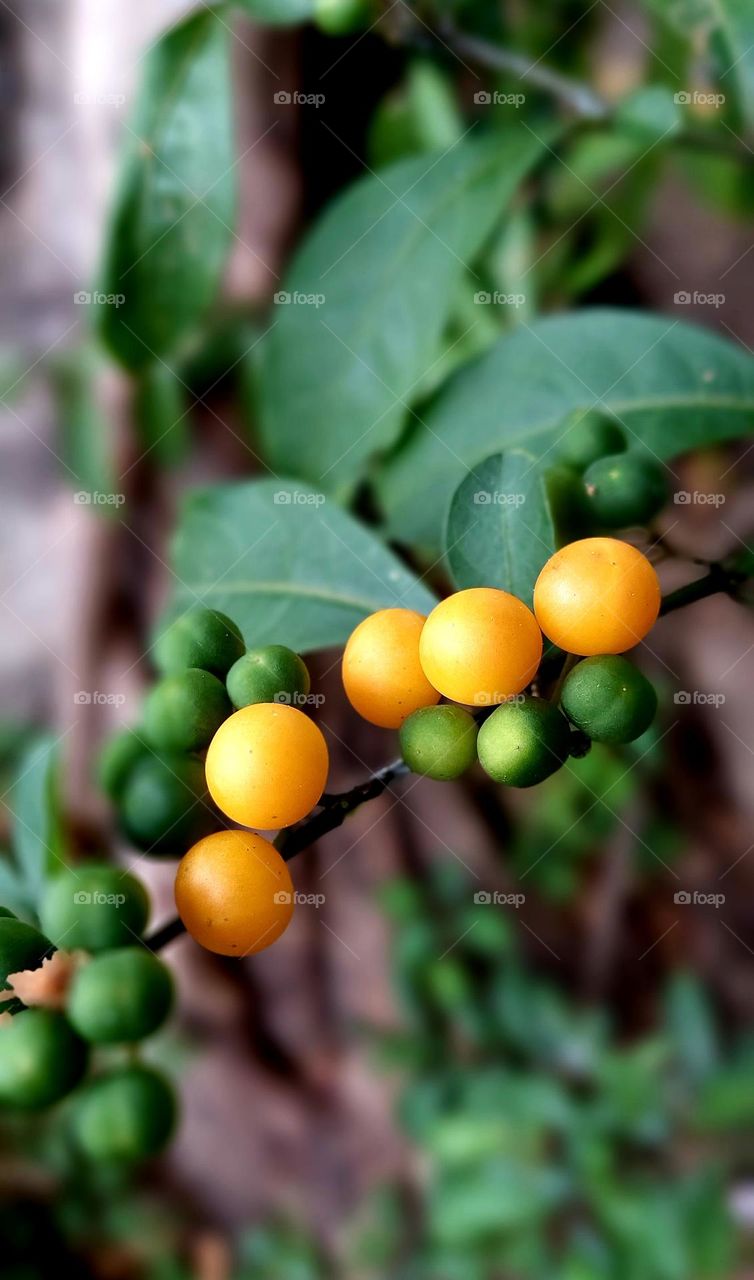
x: 340, y: 17
x: 120, y: 997
x: 439, y: 742
x: 21, y: 947
x: 119, y: 756
x: 523, y: 742
x: 94, y: 907
x: 608, y: 699
x: 270, y: 674
x: 164, y: 807
x: 183, y: 712
x: 199, y: 638
x: 625, y: 489
x: 126, y: 1115
x: 41, y: 1059
x: 588, y: 434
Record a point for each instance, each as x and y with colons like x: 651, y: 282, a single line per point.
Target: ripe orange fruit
x: 598, y: 595
x: 267, y: 765
x: 382, y: 674
x: 480, y: 646
x: 234, y: 893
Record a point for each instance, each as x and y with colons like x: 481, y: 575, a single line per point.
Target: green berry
x: 183, y: 712
x: 120, y: 754
x: 94, y: 907
x: 523, y: 741
x: 625, y: 489
x: 588, y: 434
x: 120, y: 997
x: 41, y: 1059
x: 340, y: 17
x: 126, y: 1115
x: 199, y: 638
x: 609, y: 699
x: 21, y: 948
x: 164, y: 807
x: 439, y: 742
x: 271, y: 674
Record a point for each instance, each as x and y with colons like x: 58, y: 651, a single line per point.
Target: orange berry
x: 234, y: 893
x: 598, y: 595
x: 382, y: 674
x: 480, y: 646
x: 267, y: 765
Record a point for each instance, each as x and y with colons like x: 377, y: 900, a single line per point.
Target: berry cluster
x: 108, y: 990
x: 614, y: 486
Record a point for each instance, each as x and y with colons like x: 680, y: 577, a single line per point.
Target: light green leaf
x: 737, y: 38
x: 500, y: 528
x: 33, y: 804
x: 369, y: 296
x: 287, y: 564
x: 87, y: 442
x: 673, y: 386
x: 171, y: 225
x: 277, y: 13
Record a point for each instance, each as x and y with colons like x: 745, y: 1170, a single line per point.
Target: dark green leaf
x: 161, y: 413
x: 374, y: 282
x: 35, y: 814
x: 500, y: 529
x: 288, y: 565
x: 737, y: 38
x: 171, y: 224
x: 673, y: 387
x: 87, y: 440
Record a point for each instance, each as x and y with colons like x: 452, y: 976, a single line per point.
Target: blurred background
x: 415, y: 1081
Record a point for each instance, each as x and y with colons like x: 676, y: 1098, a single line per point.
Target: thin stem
x: 335, y: 808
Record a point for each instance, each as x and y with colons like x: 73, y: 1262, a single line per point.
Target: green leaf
x: 87, y: 442
x: 287, y: 564
x: 170, y: 228
x: 736, y: 33
x: 277, y: 13
x: 691, y: 1026
x: 673, y: 386
x: 34, y: 807
x: 651, y: 113
x: 161, y: 415
x: 500, y: 529
x: 379, y: 271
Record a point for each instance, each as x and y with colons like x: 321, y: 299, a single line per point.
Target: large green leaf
x: 672, y: 385
x: 34, y: 808
x: 287, y: 564
x: 277, y: 13
x: 171, y: 229
x: 500, y: 528
x: 370, y: 293
x: 737, y: 38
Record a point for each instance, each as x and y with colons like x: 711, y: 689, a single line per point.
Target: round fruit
x: 199, y: 638
x: 125, y: 1115
x: 523, y: 742
x: 21, y: 947
x: 480, y: 646
x: 120, y: 997
x: 118, y: 758
x: 270, y: 674
x: 439, y: 742
x: 588, y: 434
x: 624, y: 489
x: 184, y: 711
x: 340, y: 17
x: 609, y: 699
x: 94, y: 907
x: 598, y: 595
x: 382, y: 673
x: 41, y: 1059
x: 164, y: 807
x: 234, y: 893
x: 267, y: 766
